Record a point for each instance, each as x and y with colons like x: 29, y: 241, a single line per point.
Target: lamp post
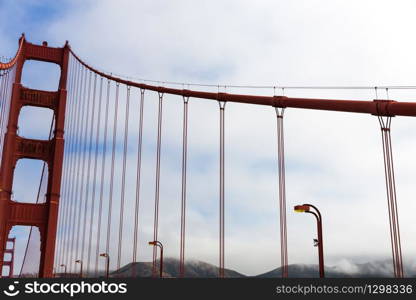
x: 159, y: 244
x: 107, y: 265
x: 63, y: 266
x: 319, y: 242
x: 80, y: 265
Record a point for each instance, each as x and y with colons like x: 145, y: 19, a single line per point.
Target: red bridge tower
x: 44, y: 215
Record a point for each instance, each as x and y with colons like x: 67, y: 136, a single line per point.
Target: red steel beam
x: 375, y: 107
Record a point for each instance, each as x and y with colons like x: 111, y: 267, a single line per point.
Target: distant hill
x: 199, y: 269
x: 376, y: 269
x: 312, y: 271
x: 303, y: 271
x: 194, y: 269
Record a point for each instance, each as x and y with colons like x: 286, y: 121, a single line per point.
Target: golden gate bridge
x: 76, y: 221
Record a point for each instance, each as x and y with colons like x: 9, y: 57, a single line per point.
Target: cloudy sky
x: 334, y: 160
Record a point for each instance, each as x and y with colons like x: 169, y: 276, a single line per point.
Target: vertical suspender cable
x: 87, y: 190
x: 123, y: 178
x: 5, y: 82
x: 222, y: 188
x: 282, y: 191
x: 385, y: 124
x: 69, y: 122
x: 388, y: 190
x: 2, y: 104
x: 82, y: 212
x: 395, y: 216
x: 183, y: 193
x: 68, y: 194
x: 9, y: 87
x: 157, y: 186
x: 110, y: 202
x: 94, y: 187
x: 103, y: 161
x: 88, y: 175
x: 6, y: 105
x: 4, y: 100
x: 73, y: 164
x: 74, y: 193
x: 65, y: 178
x: 138, y: 174
x: 79, y: 179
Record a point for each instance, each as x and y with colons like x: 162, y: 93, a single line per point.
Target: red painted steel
x: 45, y: 215
x: 10, y: 263
x: 13, y: 61
x: 375, y: 107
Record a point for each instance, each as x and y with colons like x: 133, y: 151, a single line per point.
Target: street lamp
x: 80, y: 265
x: 64, y: 266
x: 107, y: 265
x: 159, y: 244
x: 318, y: 242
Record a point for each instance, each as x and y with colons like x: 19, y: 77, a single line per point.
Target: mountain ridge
x: 200, y: 269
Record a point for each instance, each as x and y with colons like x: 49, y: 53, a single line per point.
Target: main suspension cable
x: 119, y: 77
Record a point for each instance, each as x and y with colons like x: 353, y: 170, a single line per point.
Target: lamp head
x: 153, y: 243
x: 103, y: 255
x: 302, y: 208
x: 78, y: 261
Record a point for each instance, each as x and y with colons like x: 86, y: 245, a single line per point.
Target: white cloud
x: 333, y: 159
